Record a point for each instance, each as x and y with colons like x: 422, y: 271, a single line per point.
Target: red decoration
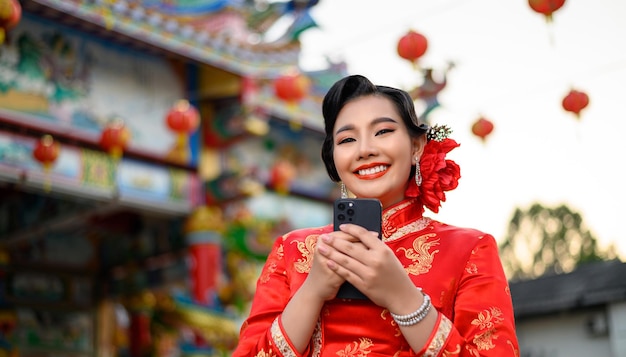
x: 10, y: 15
x: 292, y: 87
x: 546, y: 7
x: 282, y: 174
x: 412, y: 46
x: 206, y: 260
x: 575, y: 101
x: 183, y: 119
x: 115, y: 138
x: 482, y: 128
x: 46, y: 151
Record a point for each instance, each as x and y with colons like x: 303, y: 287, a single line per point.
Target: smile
x: 372, y: 170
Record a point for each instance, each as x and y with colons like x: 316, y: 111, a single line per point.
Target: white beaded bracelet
x: 416, y: 316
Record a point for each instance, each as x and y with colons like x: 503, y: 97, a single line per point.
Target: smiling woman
x: 431, y: 289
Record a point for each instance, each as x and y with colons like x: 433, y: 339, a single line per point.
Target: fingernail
x: 325, y: 238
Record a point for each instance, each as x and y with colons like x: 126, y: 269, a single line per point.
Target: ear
x: 418, y: 145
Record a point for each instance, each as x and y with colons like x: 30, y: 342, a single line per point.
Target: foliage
x: 548, y: 240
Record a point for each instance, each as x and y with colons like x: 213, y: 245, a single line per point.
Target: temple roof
x: 228, y: 34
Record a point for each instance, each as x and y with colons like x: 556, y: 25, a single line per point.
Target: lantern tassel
x: 181, y: 140
x: 47, y: 181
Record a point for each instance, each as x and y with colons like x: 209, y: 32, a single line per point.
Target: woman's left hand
x: 360, y: 257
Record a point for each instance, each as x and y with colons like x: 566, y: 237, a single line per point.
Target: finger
x: 342, y: 244
x: 369, y: 238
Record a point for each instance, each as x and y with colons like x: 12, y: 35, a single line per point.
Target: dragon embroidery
x: 420, y: 255
x: 306, y: 248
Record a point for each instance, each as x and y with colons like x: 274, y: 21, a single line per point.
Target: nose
x: 367, y: 149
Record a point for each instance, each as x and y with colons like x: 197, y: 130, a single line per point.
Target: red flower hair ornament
x: 438, y: 174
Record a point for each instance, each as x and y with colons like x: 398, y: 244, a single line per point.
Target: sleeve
x: 483, y: 323
x: 262, y: 334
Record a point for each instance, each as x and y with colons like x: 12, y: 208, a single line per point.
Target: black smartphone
x: 365, y: 212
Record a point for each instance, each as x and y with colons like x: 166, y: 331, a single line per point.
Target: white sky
x: 514, y: 69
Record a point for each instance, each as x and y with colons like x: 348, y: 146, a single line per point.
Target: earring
x: 418, y: 173
x: 344, y: 191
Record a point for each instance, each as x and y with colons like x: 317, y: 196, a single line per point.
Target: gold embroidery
x: 306, y: 248
x: 317, y: 339
x: 271, y: 268
x: 392, y: 233
x: 456, y: 352
x: 443, y: 330
x: 471, y: 268
x: 487, y: 320
x: 484, y: 341
x: 265, y: 354
x: 271, y: 265
x: 472, y: 350
x: 280, y: 341
x: 420, y: 255
x: 359, y: 349
x: 515, y: 350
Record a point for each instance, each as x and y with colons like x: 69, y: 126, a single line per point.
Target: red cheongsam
x: 458, y: 267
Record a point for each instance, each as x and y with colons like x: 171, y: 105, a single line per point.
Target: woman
x: 433, y: 289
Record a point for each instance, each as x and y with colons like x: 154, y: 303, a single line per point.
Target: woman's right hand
x: 322, y: 281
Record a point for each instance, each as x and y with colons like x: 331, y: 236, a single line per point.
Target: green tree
x: 548, y: 240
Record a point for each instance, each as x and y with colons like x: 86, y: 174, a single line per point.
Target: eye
x: 345, y: 140
x: 384, y: 131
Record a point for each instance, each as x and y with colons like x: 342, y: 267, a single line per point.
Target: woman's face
x: 373, y: 151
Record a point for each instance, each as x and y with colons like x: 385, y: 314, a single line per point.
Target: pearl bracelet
x: 416, y: 316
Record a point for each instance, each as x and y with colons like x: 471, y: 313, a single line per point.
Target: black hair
x: 356, y: 86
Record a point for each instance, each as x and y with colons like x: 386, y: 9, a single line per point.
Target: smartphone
x: 365, y: 212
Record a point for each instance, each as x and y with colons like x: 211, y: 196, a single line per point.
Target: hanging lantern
x: 575, y: 101
x: 412, y: 46
x: 482, y: 128
x: 183, y: 119
x: 282, y: 174
x: 46, y: 151
x: 546, y: 7
x: 115, y: 138
x: 292, y: 87
x: 10, y: 15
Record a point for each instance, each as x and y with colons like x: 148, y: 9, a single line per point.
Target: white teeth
x: 373, y: 170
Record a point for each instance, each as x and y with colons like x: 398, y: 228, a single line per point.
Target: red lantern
x: 546, y: 7
x: 46, y: 151
x: 10, y: 15
x: 282, y: 174
x: 292, y: 87
x: 575, y: 101
x: 412, y: 46
x: 115, y: 138
x: 482, y: 128
x: 183, y: 119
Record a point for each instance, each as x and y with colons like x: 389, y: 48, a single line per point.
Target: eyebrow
x: 374, y: 122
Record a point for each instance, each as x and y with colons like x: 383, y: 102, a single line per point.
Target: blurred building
x: 149, y: 248
x: 581, y: 313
